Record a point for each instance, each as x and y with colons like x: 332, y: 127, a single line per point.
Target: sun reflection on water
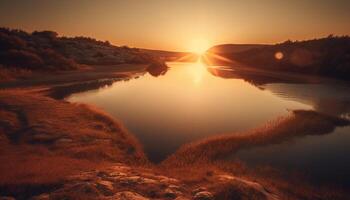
x: 197, y: 72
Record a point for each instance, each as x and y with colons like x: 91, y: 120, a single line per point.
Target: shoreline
x: 43, y: 137
x: 66, y: 77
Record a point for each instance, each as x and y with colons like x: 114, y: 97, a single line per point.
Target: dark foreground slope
x: 326, y: 57
x: 44, y: 140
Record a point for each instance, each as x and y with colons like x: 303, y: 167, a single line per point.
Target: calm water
x: 185, y: 104
x: 191, y: 102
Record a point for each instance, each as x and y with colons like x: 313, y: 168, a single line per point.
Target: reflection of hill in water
x: 253, y: 77
x: 157, y: 69
x: 330, y: 98
x: 61, y: 92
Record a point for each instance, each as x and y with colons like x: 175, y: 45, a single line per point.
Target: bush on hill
x: 45, y: 50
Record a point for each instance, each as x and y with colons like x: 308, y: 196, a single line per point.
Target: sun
x: 199, y: 46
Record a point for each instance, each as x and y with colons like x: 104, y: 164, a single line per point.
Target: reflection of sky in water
x: 321, y: 157
x: 191, y: 102
x: 186, y: 104
x: 326, y: 98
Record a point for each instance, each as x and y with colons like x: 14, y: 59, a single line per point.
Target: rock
x: 149, y: 181
x: 174, y: 187
x: 123, y: 183
x: 231, y: 186
x: 128, y: 196
x: 225, y: 177
x: 131, y: 180
x: 41, y: 197
x: 203, y: 196
x: 118, y: 174
x: 105, y: 187
x: 168, y: 193
x: 200, y: 189
x: 120, y: 167
x: 167, y: 180
x: 182, y: 198
x: 81, y: 177
x: 102, y: 174
x: 85, y: 188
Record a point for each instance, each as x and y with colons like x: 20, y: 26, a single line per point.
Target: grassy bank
x: 44, y: 140
x: 298, y: 123
x: 201, y: 161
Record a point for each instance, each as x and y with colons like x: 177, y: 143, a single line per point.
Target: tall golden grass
x: 297, y: 123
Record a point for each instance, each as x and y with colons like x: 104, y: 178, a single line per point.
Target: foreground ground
x: 52, y: 149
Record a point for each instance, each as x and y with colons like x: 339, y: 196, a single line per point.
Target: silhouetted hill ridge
x: 234, y: 48
x: 46, y: 50
x: 329, y: 56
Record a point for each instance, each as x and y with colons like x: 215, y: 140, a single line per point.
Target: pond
x: 191, y: 102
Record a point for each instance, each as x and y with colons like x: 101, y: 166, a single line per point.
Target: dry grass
x: 198, y: 162
x: 69, y: 129
x: 26, y: 170
x: 43, y: 140
x: 17, y: 169
x: 13, y: 74
x: 298, y: 123
x: 291, y: 187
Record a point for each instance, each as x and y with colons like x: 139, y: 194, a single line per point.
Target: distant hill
x: 233, y: 48
x: 46, y: 50
x: 328, y: 56
x: 172, y: 55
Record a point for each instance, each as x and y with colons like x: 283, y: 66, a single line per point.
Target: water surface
x: 188, y: 103
x: 165, y: 110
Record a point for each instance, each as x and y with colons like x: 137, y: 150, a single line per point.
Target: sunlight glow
x: 199, y: 46
x: 197, y: 71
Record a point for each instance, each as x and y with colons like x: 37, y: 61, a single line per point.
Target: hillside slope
x: 46, y: 50
x: 234, y: 48
x: 328, y: 56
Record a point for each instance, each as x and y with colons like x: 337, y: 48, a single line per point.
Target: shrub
x: 21, y: 58
x: 46, y: 34
x: 45, y: 50
x: 57, y: 61
x: 10, y: 42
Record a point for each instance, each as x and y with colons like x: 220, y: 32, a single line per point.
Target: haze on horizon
x: 181, y: 25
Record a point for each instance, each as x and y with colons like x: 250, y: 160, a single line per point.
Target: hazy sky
x: 181, y: 24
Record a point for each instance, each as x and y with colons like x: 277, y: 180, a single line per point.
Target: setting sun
x: 199, y: 46
x: 155, y: 99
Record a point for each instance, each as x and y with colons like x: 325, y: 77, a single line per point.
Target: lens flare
x: 279, y: 55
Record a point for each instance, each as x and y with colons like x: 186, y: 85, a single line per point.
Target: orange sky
x: 181, y: 24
